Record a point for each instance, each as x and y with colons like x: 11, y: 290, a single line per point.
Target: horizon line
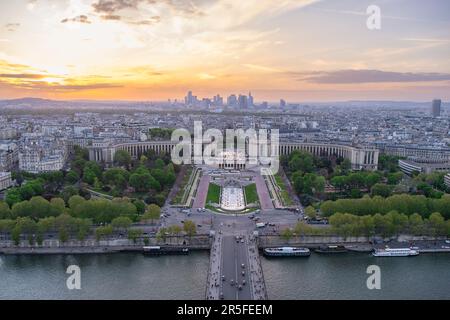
x: 172, y: 100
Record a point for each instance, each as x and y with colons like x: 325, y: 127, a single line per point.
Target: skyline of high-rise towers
x: 240, y: 101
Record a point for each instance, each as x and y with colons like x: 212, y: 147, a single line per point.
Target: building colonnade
x: 360, y: 158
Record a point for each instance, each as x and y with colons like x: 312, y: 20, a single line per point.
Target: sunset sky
x: 300, y: 50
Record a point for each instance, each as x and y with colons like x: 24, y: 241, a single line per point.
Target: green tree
x: 287, y: 234
x: 437, y: 224
x: 170, y: 175
x: 15, y: 234
x: 175, y: 230
x: 21, y: 209
x: 26, y: 191
x: 76, y: 200
x: 122, y: 158
x: 134, y: 234
x: 309, y: 184
x: 78, y: 165
x: 45, y: 225
x: 7, y: 225
x: 367, y: 225
x: 339, y: 182
x: 302, y: 161
x: 72, y: 177
x: 103, y: 232
x: 159, y: 176
x: 380, y: 189
x: 40, y: 208
x: 57, y: 207
x: 63, y: 235
x: 302, y: 228
x: 83, y: 226
x: 140, y: 206
x: 27, y: 226
x: 153, y: 213
x: 5, y: 212
x: 371, y: 179
x: 117, y: 177
x: 121, y: 223
x: 159, y: 164
x: 415, y: 224
x: 89, y: 176
x: 37, y: 186
x: 190, y: 228
x: 154, y: 209
x: 142, y: 181
x: 388, y: 163
x: 394, y: 178
x: 13, y: 196
x: 310, y: 212
x: 68, y: 192
x: 162, y: 234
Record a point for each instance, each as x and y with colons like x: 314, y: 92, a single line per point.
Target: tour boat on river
x: 395, y: 252
x: 287, y: 252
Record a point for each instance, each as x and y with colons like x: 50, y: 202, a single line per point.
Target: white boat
x: 287, y: 252
x: 395, y: 252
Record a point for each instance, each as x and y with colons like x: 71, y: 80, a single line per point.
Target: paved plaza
x: 232, y: 199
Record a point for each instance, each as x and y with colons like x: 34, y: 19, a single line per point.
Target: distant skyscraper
x: 250, y: 100
x: 282, y: 103
x: 232, y: 100
x: 436, y: 108
x: 189, y: 99
x: 218, y: 100
x: 206, y: 103
x: 243, y: 102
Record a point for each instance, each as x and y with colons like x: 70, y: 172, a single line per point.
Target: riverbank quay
x: 91, y: 246
x: 424, y: 244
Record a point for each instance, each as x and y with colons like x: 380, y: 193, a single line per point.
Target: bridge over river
x: 235, y: 271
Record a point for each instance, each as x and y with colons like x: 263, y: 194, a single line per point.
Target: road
x: 234, y: 254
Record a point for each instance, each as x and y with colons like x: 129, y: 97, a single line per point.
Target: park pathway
x: 263, y: 193
x: 202, y: 192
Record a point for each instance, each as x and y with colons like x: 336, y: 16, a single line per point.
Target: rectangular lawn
x: 213, y: 194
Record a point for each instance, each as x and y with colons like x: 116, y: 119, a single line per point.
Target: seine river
x: 133, y: 276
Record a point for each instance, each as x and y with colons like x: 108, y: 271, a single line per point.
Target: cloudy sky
x: 300, y: 50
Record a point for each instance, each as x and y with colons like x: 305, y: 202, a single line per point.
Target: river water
x: 134, y: 276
